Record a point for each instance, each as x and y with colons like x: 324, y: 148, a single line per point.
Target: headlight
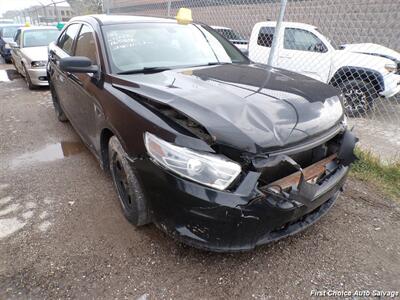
x: 7, y: 46
x: 344, y: 122
x: 38, y: 64
x: 391, y: 67
x: 212, y: 170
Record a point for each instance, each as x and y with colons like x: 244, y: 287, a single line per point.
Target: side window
x: 86, y: 44
x: 66, y: 40
x: 265, y: 36
x: 302, y: 40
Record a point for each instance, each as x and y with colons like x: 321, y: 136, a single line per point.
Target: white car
x: 234, y: 37
x: 364, y: 72
x: 29, y: 53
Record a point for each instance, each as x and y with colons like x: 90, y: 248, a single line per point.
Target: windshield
x: 166, y: 45
x: 9, y: 31
x: 230, y: 34
x: 40, y: 37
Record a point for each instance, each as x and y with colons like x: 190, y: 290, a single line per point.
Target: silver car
x: 29, y: 53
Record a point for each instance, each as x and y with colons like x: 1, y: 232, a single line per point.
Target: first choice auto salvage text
x: 356, y: 293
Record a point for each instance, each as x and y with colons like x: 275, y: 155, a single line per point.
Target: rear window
x: 266, y: 36
x: 39, y: 37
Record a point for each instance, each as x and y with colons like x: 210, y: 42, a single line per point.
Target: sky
x: 21, y: 4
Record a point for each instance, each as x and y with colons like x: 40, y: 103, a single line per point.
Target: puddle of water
x: 49, y: 153
x: 4, y: 76
x: 8, y: 75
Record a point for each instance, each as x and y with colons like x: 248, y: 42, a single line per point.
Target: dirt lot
x: 62, y: 233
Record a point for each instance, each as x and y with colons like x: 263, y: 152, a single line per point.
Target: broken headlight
x: 212, y: 170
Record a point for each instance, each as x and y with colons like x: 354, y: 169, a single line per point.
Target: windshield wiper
x: 216, y: 63
x: 144, y: 70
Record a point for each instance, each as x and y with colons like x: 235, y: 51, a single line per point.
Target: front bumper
x: 228, y: 221
x: 392, y: 85
x: 38, y: 76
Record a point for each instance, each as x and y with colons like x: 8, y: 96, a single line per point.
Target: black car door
x: 84, y: 87
x: 59, y: 79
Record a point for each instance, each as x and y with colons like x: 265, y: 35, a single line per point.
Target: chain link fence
x: 353, y: 45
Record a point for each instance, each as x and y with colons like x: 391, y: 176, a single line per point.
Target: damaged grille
x: 297, y: 178
x: 314, y: 158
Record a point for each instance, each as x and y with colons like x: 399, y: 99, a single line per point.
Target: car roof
x: 121, y: 19
x: 288, y: 24
x: 28, y: 28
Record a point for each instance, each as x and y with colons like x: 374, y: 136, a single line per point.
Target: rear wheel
x: 359, y: 97
x: 57, y: 107
x: 130, y: 193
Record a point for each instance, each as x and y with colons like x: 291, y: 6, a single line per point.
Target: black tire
x: 130, y: 193
x: 57, y: 107
x: 28, y: 80
x: 359, y: 97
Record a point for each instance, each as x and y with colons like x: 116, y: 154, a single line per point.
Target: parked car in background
x: 218, y: 152
x: 7, y: 33
x: 30, y: 53
x: 234, y: 37
x: 6, y: 21
x: 363, y: 72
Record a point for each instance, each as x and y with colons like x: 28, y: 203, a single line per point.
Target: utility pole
x: 277, y: 35
x: 44, y: 9
x: 169, y: 8
x: 56, y: 11
x: 37, y: 16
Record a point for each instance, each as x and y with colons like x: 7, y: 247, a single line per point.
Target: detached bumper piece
x: 254, y: 213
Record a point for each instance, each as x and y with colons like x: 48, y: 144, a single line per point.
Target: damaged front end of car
x: 246, y: 193
x: 274, y: 195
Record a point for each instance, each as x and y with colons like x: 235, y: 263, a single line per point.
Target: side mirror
x: 320, y: 48
x: 13, y: 45
x: 77, y: 64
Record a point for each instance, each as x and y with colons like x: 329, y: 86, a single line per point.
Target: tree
x: 85, y: 7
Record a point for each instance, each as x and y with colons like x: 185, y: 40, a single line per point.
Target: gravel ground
x: 63, y: 235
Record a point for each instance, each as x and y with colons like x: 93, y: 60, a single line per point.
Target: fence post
x: 106, y: 6
x: 169, y: 8
x: 277, y: 35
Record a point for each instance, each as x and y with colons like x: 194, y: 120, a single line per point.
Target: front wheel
x: 130, y: 194
x: 359, y: 97
x: 28, y: 80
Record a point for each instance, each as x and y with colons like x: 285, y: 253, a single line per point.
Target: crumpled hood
x: 249, y: 107
x: 36, y: 53
x: 373, y: 49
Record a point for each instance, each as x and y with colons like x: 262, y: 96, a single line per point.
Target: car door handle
x: 285, y: 56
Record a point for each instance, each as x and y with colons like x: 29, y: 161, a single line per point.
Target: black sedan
x: 220, y: 153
